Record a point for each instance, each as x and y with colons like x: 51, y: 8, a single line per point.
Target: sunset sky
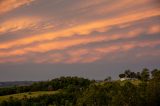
x: 44, y: 39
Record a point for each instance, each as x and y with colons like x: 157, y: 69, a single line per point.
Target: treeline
x: 127, y: 93
x: 144, y: 75
x: 16, y: 83
x: 55, y: 84
x: 89, y: 93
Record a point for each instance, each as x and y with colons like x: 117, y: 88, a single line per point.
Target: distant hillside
x: 16, y: 83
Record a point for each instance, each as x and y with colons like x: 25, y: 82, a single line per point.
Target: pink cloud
x: 8, y: 5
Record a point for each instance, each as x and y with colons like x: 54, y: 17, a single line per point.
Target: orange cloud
x: 63, y: 44
x: 83, y: 29
x: 128, y: 46
x: 8, y: 5
x: 108, y: 22
x: 99, y: 53
x: 13, y: 60
x: 82, y: 5
x: 52, y: 58
x: 90, y: 59
x: 135, y: 32
x: 114, y: 6
x: 72, y: 60
x: 154, y: 29
x: 12, y: 53
x: 18, y: 24
x: 89, y: 55
x: 59, y: 45
x: 79, y: 52
x: 76, y: 56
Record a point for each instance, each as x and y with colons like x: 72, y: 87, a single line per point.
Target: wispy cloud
x: 18, y: 24
x: 8, y: 5
x: 88, y: 55
x: 31, y: 23
x: 154, y: 29
x: 66, y: 43
x: 83, y: 29
x: 106, y: 27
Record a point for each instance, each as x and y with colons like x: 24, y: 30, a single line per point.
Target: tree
x: 108, y: 79
x: 122, y: 75
x: 128, y: 94
x: 153, y: 89
x: 132, y: 75
x: 155, y: 73
x: 128, y: 73
x: 145, y: 74
x: 138, y: 75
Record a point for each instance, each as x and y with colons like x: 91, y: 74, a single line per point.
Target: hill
x: 74, y: 91
x: 27, y: 95
x: 16, y: 83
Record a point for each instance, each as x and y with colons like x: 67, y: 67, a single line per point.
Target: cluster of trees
x: 83, y: 92
x: 145, y: 75
x: 55, y: 84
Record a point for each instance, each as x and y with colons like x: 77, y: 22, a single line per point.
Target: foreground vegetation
x: 27, y: 95
x: 140, y: 89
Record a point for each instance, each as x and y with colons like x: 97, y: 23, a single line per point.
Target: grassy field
x: 27, y: 95
x: 135, y: 82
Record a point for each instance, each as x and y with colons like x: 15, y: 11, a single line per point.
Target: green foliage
x: 108, y: 78
x: 129, y: 74
x: 26, y: 95
x: 122, y: 75
x: 145, y: 75
x: 73, y: 91
x: 55, y: 84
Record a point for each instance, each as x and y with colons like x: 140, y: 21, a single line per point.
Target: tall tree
x: 155, y: 73
x: 145, y: 74
x: 128, y: 73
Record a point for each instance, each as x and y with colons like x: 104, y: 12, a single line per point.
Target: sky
x: 46, y: 39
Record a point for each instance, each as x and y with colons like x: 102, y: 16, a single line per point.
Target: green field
x: 27, y: 95
x: 135, y: 82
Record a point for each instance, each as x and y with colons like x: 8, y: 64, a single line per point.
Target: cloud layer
x: 85, y: 32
